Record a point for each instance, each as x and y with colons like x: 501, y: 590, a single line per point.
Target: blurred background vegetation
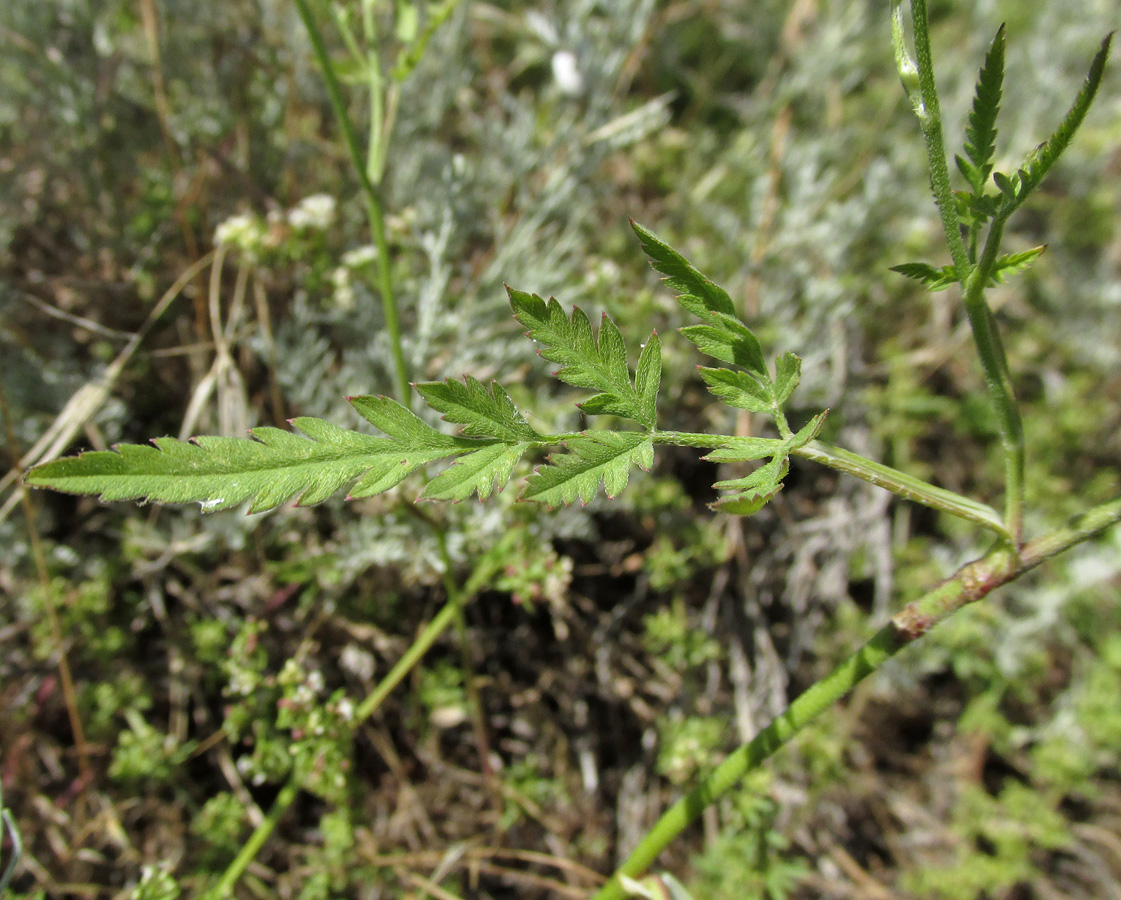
x: 626, y: 645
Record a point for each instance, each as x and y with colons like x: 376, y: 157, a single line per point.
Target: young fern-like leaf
x: 788, y: 371
x: 980, y: 131
x: 1013, y: 263
x: 936, y: 279
x: 599, y: 365
x: 1031, y: 172
x: 597, y: 456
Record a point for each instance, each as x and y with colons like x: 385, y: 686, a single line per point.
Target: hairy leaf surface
x: 980, y: 131
x: 723, y: 336
x: 585, y: 362
x: 482, y: 412
x: 476, y: 473
x: 599, y: 456
x: 740, y: 389
x: 269, y: 468
x: 695, y: 292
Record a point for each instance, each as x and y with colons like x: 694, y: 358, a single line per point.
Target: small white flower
x: 360, y: 256
x: 566, y: 73
x: 343, y: 289
x: 316, y: 211
x: 243, y: 231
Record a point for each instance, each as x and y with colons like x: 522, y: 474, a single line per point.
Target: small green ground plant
x: 275, y: 466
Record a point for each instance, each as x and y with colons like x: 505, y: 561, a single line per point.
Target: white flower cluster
x: 244, y: 231
x: 252, y: 234
x: 316, y: 211
x: 342, y: 277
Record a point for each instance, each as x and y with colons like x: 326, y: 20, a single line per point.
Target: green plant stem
x: 374, y: 212
x: 904, y: 485
x: 907, y: 486
x: 930, y: 119
x: 8, y: 825
x: 998, y: 379
x: 969, y: 584
x: 250, y: 849
x: 424, y: 641
x: 973, y: 278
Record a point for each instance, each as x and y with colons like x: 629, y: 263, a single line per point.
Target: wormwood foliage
x: 274, y: 466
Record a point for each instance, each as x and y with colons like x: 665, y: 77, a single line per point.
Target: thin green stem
x: 974, y: 278
x: 374, y: 212
x: 8, y: 825
x: 904, y: 485
x: 424, y: 641
x: 900, y: 483
x: 234, y: 871
x: 998, y: 379
x: 970, y: 584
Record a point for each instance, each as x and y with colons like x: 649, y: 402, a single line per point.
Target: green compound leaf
x: 724, y: 336
x: 476, y: 473
x: 586, y: 363
x: 269, y: 468
x: 598, y: 456
x: 755, y: 490
x: 740, y: 389
x: 695, y: 292
x: 482, y: 412
x: 980, y: 132
x: 1031, y: 172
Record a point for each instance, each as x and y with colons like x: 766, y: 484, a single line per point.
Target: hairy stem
x: 973, y: 278
x: 969, y: 584
x: 998, y: 379
x: 904, y: 485
x: 900, y: 483
x: 930, y: 118
x: 374, y: 212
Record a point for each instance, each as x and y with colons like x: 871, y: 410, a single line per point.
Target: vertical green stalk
x: 973, y: 278
x: 929, y: 113
x: 374, y: 211
x: 998, y: 379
